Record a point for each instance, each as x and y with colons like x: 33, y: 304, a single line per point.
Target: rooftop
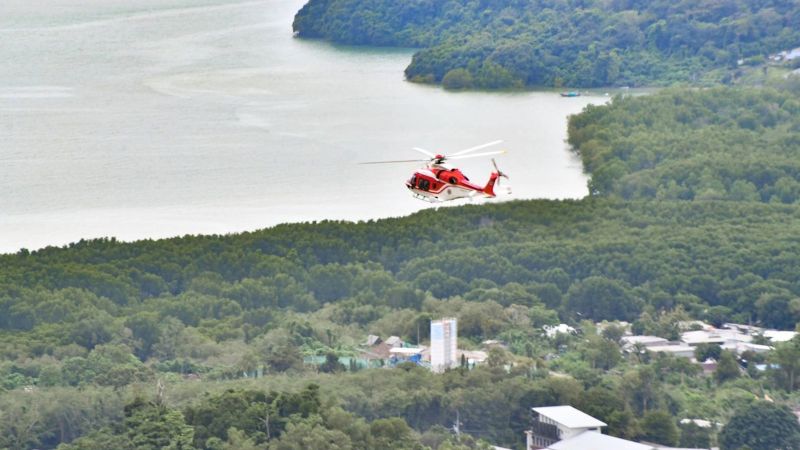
x: 647, y: 341
x: 741, y: 347
x: 406, y: 350
x: 596, y: 441
x: 552, y: 330
x: 702, y: 423
x: 671, y: 348
x: 717, y: 336
x: 569, y: 417
x: 779, y: 336
x: 394, y: 341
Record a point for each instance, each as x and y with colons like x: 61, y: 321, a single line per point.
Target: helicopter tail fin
x: 489, y: 189
x: 493, y: 179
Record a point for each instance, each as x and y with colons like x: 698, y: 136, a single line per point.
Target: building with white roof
x: 716, y: 336
x: 394, y: 341
x: 551, y: 424
x: 566, y: 428
x: 629, y: 341
x: 741, y: 347
x: 406, y: 351
x: 684, y: 351
x: 702, y: 423
x: 736, y: 337
x: 597, y: 441
x: 552, y: 331
x: 779, y: 336
x: 472, y: 357
x: 644, y: 340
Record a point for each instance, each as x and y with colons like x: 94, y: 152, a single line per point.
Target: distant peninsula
x: 501, y: 44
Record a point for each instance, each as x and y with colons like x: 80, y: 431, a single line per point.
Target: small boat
x: 571, y: 94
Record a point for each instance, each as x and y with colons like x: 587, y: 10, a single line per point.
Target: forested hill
x: 507, y: 43
x: 87, y: 329
x: 104, y: 314
x: 596, y: 258
x: 715, y: 144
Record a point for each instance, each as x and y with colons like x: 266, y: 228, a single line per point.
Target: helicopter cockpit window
x: 424, y: 184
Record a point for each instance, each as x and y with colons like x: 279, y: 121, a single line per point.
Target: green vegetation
x: 761, y: 426
x: 714, y: 144
x: 507, y: 44
x: 110, y: 319
x: 163, y: 344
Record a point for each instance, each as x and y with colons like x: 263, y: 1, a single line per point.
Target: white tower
x: 444, y: 343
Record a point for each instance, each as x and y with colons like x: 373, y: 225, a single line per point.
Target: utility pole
x: 457, y: 427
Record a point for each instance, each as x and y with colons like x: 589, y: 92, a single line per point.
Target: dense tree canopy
x: 761, y: 426
x: 714, y: 144
x: 235, y: 305
x: 510, y: 43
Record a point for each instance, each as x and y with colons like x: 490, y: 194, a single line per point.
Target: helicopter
x: 437, y: 181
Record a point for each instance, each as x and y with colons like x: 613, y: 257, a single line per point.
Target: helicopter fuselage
x: 439, y: 182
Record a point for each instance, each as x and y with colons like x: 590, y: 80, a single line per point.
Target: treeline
x: 509, y: 43
x: 89, y: 330
x: 108, y: 314
x: 238, y: 418
x: 710, y: 144
x: 244, y: 419
x: 603, y: 259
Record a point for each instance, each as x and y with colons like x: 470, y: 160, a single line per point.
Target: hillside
x: 216, y: 306
x: 157, y: 344
x: 544, y: 43
x: 715, y: 144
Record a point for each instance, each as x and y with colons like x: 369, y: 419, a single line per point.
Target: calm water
x: 155, y: 118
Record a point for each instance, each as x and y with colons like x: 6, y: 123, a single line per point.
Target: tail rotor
x: 500, y: 174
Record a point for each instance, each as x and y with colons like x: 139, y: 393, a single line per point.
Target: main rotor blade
x: 424, y: 152
x: 475, y: 155
x: 472, y: 149
x: 395, y: 162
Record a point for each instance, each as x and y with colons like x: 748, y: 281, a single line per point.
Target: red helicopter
x: 438, y: 181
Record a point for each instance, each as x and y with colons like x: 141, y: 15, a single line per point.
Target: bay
x: 156, y: 118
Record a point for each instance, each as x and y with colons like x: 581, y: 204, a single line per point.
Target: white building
x: 566, y: 428
x: 444, y: 344
x: 779, y: 336
x: 628, y: 342
x: 597, y: 441
x: 552, y: 424
x: 552, y: 331
x: 736, y: 337
x: 406, y: 352
x: 715, y: 336
x: 684, y: 351
x: 741, y: 347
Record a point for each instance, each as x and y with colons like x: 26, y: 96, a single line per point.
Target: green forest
x: 501, y: 44
x: 711, y: 144
x: 256, y: 340
x: 693, y: 214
